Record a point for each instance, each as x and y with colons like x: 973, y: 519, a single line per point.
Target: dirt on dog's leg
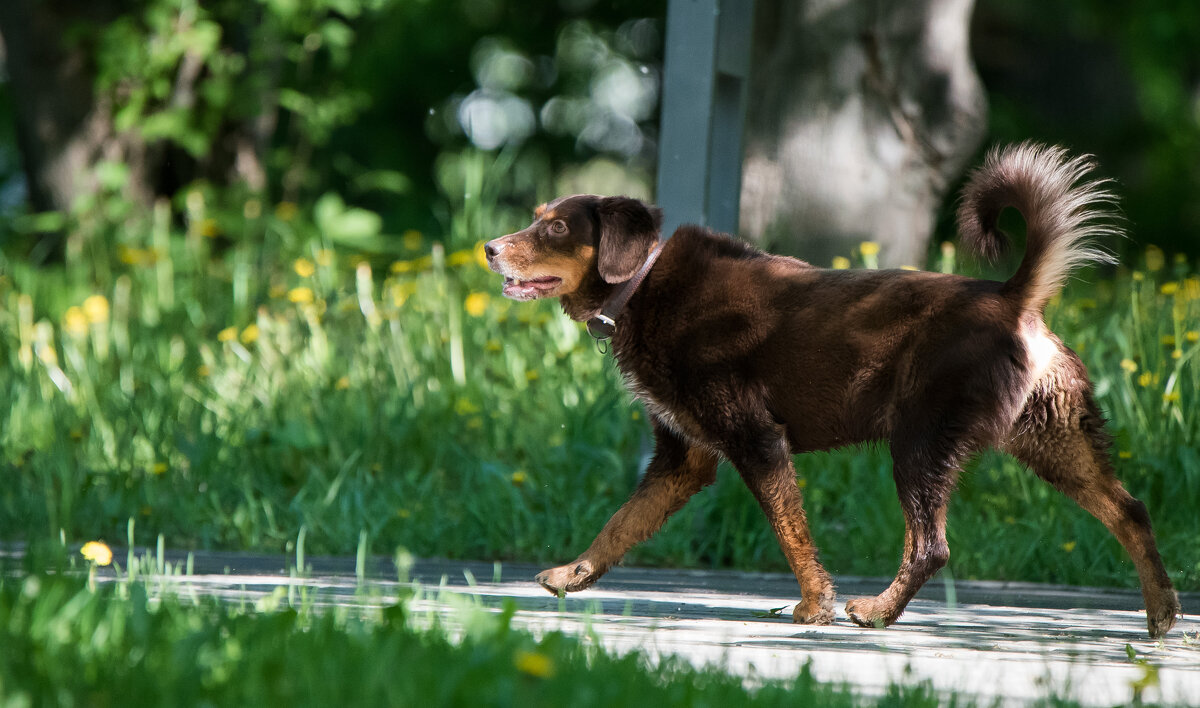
x: 677, y: 471
x: 1064, y: 442
x: 768, y: 471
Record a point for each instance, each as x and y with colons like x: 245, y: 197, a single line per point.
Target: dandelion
x: 411, y: 239
x: 1169, y: 288
x: 1168, y: 340
x: 209, y: 228
x: 342, y: 384
x: 464, y: 406
x: 460, y: 258
x: 481, y: 255
x: 1172, y: 397
x: 301, y: 295
x: 1191, y: 289
x: 227, y: 335
x: 1138, y: 276
x: 1125, y: 455
x: 1068, y: 546
x: 285, y: 211
x: 1154, y: 259
x: 534, y: 664
x: 303, y: 267
x: 1129, y: 365
x: 95, y: 308
x: 159, y: 469
x: 97, y: 552
x: 519, y: 477
x: 531, y: 375
x: 841, y: 263
x: 1176, y: 353
x: 402, y: 267
x: 868, y: 248
x: 403, y: 513
x: 1145, y: 379
x: 250, y: 334
x: 203, y: 371
x: 909, y: 267
x: 476, y: 304
x: 75, y: 322
x: 1192, y: 336
x: 324, y: 257
x: 493, y: 345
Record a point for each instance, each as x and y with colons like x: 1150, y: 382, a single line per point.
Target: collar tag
x: 601, y: 327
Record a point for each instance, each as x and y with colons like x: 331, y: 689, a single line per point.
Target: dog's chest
x: 670, y: 413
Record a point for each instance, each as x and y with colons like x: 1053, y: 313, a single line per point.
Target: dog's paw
x: 572, y: 577
x: 867, y: 612
x: 819, y: 610
x: 1161, y: 615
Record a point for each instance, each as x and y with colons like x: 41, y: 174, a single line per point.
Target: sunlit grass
x: 228, y: 393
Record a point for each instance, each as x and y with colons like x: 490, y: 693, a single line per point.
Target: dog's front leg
x: 678, y: 470
x: 764, y: 460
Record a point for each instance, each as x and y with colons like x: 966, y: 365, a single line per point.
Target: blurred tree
x: 863, y: 115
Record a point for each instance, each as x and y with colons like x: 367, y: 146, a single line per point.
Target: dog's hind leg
x: 765, y: 464
x: 924, y: 481
x: 1062, y: 439
x: 677, y: 471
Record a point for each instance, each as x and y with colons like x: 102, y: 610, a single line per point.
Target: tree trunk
x: 862, y: 113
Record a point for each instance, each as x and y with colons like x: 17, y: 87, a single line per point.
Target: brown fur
x: 752, y: 357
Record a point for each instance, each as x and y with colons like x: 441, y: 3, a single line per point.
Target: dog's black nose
x: 491, y: 250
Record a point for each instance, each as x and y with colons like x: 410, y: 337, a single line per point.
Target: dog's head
x: 575, y: 243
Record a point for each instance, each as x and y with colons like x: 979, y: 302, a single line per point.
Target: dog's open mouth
x: 530, y: 289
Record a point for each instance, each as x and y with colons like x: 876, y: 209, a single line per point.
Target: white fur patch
x: 1041, y: 350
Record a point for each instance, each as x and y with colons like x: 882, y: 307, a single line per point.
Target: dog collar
x: 604, y: 325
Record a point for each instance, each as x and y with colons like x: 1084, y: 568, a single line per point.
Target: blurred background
x: 242, y: 294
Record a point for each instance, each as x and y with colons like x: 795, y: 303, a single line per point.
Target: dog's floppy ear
x: 628, y: 231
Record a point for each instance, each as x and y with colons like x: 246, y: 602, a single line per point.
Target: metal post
x: 705, y: 77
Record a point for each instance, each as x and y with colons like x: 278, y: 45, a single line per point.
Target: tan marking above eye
x: 539, y: 211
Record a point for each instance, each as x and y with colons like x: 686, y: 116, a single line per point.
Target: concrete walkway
x: 1013, y: 641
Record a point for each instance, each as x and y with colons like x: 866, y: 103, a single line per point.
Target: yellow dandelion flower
x: 95, y: 308
x: 203, y: 371
x: 1068, y: 546
x: 519, y: 477
x: 908, y: 267
x: 1169, y: 288
x: 1192, y: 336
x: 276, y: 291
x: 301, y: 295
x: 303, y: 267
x: 1176, y: 353
x: 460, y: 258
x: 1138, y: 276
x: 481, y: 255
x: 464, y: 406
x: 159, y: 469
x: 531, y: 375
x: 324, y: 257
x: 1154, y: 259
x: 75, y: 323
x: 1172, y: 397
x: 1168, y: 340
x: 411, y: 239
x: 868, y: 248
x: 402, y: 267
x: 477, y: 304
x: 841, y: 263
x: 1125, y: 455
x: 227, y: 335
x: 493, y: 345
x: 1145, y: 379
x: 250, y: 334
x: 97, y: 552
x: 403, y: 513
x: 209, y: 228
x: 534, y: 664
x: 1180, y: 259
x: 1191, y: 289
x: 286, y: 211
x: 1129, y: 365
x: 342, y: 384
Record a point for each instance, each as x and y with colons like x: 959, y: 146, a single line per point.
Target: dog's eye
x: 558, y: 227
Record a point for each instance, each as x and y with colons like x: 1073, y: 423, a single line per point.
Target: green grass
x: 128, y: 643
x: 226, y: 380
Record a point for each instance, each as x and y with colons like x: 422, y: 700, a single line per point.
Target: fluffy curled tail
x: 1064, y: 213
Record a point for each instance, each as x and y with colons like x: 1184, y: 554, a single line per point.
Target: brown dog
x: 753, y: 357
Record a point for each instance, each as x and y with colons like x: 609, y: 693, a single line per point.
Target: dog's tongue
x: 529, y: 289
